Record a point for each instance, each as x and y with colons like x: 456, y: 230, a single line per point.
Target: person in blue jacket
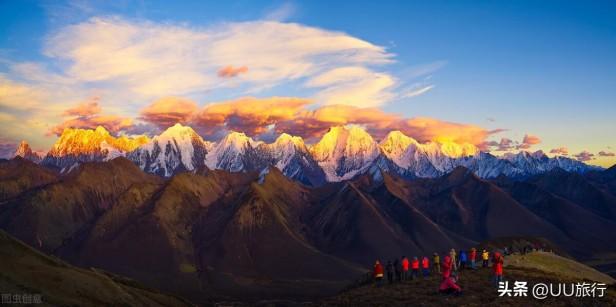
x: 463, y: 259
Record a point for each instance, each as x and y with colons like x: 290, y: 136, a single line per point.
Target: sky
x: 504, y: 76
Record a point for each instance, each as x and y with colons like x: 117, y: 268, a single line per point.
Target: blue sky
x: 543, y: 68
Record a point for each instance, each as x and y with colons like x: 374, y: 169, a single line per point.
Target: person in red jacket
x: 497, y: 265
x: 449, y: 285
x: 415, y: 268
x: 425, y: 265
x: 473, y: 257
x: 378, y: 273
x: 405, y: 268
x: 447, y: 266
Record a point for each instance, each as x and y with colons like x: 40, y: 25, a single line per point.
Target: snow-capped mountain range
x: 342, y: 153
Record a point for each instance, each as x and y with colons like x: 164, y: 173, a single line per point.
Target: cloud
x: 112, y: 123
x: 431, y: 129
x: 314, y: 123
x: 560, y: 151
x: 230, y: 71
x: 18, y: 96
x: 425, y: 69
x: 168, y: 111
x: 584, y: 156
x: 86, y: 108
x: 606, y: 154
x: 311, y: 124
x: 531, y: 139
x: 353, y: 85
x: 7, y: 148
x: 150, y: 60
x: 505, y: 144
x: 281, y: 13
x: 86, y: 116
x: 418, y: 90
x: 302, y: 117
x: 528, y: 141
x: 250, y: 115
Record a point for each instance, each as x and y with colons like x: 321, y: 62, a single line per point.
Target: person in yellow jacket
x: 485, y: 256
x: 436, y: 263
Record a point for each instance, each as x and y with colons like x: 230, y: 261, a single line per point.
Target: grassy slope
x: 555, y: 264
x: 477, y: 287
x: 24, y: 270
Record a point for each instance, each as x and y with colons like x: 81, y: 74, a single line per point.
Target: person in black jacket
x: 390, y: 272
x: 398, y: 268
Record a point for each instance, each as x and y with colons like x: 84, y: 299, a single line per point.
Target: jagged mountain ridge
x: 341, y: 154
x: 87, y: 145
x: 24, y: 151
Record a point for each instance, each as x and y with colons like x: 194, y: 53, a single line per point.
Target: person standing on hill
x: 415, y: 268
x: 454, y: 259
x: 425, y: 265
x: 436, y: 263
x: 473, y: 257
x: 378, y: 273
x: 463, y: 260
x: 447, y: 267
x: 497, y: 265
x: 398, y: 269
x: 405, y: 268
x: 390, y: 272
x: 485, y: 256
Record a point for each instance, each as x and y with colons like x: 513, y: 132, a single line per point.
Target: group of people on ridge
x: 405, y: 269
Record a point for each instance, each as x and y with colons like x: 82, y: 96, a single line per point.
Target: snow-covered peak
x: 286, y: 145
x: 457, y: 150
x: 181, y: 139
x: 232, y: 153
x: 88, y: 142
x: 539, y: 154
x: 178, y: 134
x: 343, y: 141
x: 178, y: 148
x: 396, y: 142
x: 286, y: 140
x: 538, y: 162
x: 178, y: 131
x: 400, y: 149
x: 237, y: 141
x: 24, y: 151
x: 345, y: 152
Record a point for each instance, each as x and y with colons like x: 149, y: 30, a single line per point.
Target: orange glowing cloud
x: 230, y: 71
x: 606, y: 154
x: 300, y: 117
x: 86, y: 108
x: 168, y: 111
x: 312, y: 124
x: 560, y: 151
x: 430, y: 129
x: 112, y: 123
x: 528, y: 141
x: 585, y: 156
x: 86, y: 116
x: 250, y: 115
